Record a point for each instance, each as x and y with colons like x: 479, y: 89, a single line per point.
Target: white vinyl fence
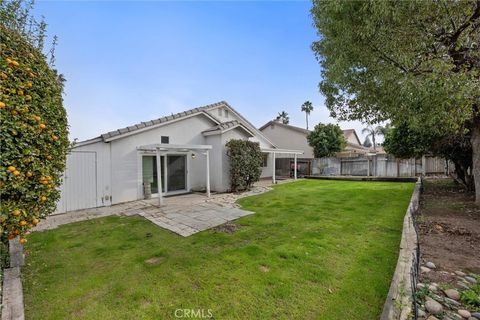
x: 379, y: 166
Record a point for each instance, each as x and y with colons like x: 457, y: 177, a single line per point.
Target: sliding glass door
x: 176, y: 172
x: 150, y: 172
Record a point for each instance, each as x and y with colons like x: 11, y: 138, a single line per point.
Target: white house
x: 291, y: 137
x: 176, y: 154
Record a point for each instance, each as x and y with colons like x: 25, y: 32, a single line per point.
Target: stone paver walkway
x: 184, y: 215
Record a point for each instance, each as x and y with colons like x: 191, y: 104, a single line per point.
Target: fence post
x: 424, y: 166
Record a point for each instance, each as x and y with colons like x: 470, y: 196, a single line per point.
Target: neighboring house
x: 291, y: 137
x: 114, y: 167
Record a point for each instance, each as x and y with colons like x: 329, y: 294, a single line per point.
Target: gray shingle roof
x: 222, y: 126
x: 150, y: 123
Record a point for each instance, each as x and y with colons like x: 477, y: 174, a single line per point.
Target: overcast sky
x: 127, y: 62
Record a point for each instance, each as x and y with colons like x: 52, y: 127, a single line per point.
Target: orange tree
x: 33, y: 135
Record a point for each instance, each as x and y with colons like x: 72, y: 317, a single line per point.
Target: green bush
x: 245, y: 163
x: 33, y: 135
x: 326, y: 140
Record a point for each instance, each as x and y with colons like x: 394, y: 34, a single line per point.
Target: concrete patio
x: 184, y: 215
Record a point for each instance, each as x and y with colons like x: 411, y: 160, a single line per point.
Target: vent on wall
x: 165, y: 139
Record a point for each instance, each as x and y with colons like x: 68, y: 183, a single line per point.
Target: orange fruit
x: 17, y: 232
x: 2, y: 105
x: 30, y: 226
x: 16, y: 173
x: 43, y: 199
x: 54, y: 137
x: 11, y: 168
x: 20, y: 92
x: 16, y: 213
x: 29, y: 174
x: 28, y: 97
x: 3, y: 75
x: 42, y: 126
x: 14, y: 112
x: 23, y: 223
x: 29, y: 84
x: 23, y: 241
x: 11, y: 236
x: 35, y: 221
x: 49, y: 157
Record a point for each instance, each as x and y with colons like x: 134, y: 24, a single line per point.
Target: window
x: 265, y: 160
x: 226, y: 113
x: 165, y: 139
x: 220, y: 112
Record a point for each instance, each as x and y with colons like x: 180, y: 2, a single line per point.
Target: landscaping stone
x: 433, y: 306
x: 433, y: 288
x: 452, y: 294
x: 430, y: 265
x: 460, y: 273
x: 464, y: 313
x: 420, y: 285
x: 476, y: 315
x: 452, y: 302
x: 432, y: 318
x: 425, y: 269
x: 471, y: 279
x: 421, y: 313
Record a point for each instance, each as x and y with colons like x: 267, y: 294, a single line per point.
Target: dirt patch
x: 264, y: 268
x: 449, y: 226
x: 229, y: 227
x: 154, y: 260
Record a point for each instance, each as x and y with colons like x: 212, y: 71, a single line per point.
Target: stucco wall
x: 286, y: 138
x: 126, y: 161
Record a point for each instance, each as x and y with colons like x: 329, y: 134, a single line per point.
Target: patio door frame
x: 165, y: 173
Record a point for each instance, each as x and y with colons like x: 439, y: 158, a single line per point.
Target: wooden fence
x: 379, y: 166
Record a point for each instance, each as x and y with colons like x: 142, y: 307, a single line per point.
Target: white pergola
x: 162, y: 148
x: 285, y: 151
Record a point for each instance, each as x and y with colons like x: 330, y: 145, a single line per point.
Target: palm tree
x: 375, y: 132
x: 284, y: 117
x: 307, y: 107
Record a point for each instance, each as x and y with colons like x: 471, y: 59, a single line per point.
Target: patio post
x: 295, y: 164
x: 273, y: 166
x: 159, y: 178
x: 208, y: 172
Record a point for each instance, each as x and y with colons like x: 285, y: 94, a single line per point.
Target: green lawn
x: 314, y: 250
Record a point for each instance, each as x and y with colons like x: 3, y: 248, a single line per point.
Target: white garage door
x: 79, y: 189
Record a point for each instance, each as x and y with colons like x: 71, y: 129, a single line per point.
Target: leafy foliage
x: 404, y: 141
x: 471, y: 297
x: 246, y: 160
x: 367, y: 143
x: 34, y: 132
x: 414, y: 62
x: 326, y: 140
x: 283, y: 116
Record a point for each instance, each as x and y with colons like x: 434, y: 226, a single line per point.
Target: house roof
x: 226, y: 126
x: 116, y: 134
x: 346, y: 132
x: 349, y: 132
x: 154, y: 122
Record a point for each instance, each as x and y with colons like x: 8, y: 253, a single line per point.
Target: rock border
x: 12, y: 300
x: 399, y: 302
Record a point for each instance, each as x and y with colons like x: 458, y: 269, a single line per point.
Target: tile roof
x: 222, y: 126
x: 150, y: 123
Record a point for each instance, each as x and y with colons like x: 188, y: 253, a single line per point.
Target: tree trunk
x: 306, y: 118
x: 475, y: 141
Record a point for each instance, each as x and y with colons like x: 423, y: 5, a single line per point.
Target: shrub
x: 245, y: 163
x: 326, y: 140
x: 33, y: 135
